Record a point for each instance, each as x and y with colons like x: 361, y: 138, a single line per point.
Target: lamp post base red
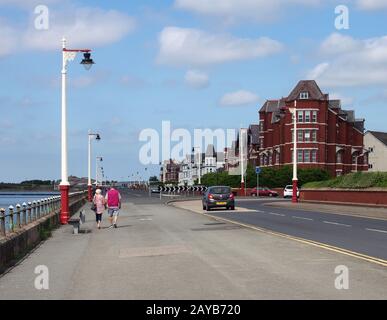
x: 243, y: 190
x: 64, y: 211
x: 89, y: 193
x: 295, y: 187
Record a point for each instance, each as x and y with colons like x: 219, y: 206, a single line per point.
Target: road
x: 363, y: 235
x: 163, y: 252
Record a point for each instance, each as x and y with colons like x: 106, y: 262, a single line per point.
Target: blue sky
x: 235, y: 55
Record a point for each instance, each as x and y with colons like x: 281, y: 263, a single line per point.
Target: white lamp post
x: 98, y: 159
x: 241, y: 151
x: 293, y: 111
x: 67, y: 55
x: 97, y: 137
x: 200, y: 162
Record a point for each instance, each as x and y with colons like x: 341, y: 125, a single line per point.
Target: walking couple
x: 112, y: 201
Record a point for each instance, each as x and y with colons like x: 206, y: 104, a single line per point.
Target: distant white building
x: 376, y: 143
x: 210, y: 161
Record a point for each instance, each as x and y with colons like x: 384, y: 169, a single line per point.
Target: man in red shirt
x: 113, y: 200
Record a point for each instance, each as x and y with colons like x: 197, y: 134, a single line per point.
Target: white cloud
x: 345, y: 101
x: 372, y: 4
x: 196, y: 79
x: 83, y: 27
x: 193, y: 47
x: 362, y: 64
x: 233, y: 10
x: 239, y: 98
x: 337, y: 43
x: 8, y: 39
x: 27, y: 3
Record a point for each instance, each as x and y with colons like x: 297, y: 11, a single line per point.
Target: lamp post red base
x: 295, y: 187
x: 243, y: 190
x: 64, y: 211
x: 89, y: 193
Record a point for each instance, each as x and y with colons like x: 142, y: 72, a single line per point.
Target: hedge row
x: 269, y: 177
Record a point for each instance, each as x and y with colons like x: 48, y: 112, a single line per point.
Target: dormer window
x: 304, y: 95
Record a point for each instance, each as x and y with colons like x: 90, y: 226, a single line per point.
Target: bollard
x: 2, y: 222
x: 38, y: 209
x: 24, y: 210
x: 43, y: 207
x: 10, y: 218
x: 18, y: 206
x: 35, y: 209
x: 46, y: 206
x: 29, y: 204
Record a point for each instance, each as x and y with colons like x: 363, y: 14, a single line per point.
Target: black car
x: 218, y: 196
x: 155, y: 189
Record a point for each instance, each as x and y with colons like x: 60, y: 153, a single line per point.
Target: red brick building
x: 327, y: 136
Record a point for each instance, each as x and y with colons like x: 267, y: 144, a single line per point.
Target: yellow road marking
x: 350, y: 253
x: 311, y: 242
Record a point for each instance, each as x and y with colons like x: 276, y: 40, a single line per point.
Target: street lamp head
x: 87, y: 61
x: 98, y: 137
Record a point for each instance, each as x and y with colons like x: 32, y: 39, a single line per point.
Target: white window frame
x: 304, y: 95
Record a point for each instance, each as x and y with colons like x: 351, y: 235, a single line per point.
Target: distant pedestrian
x: 113, y: 200
x: 99, y: 202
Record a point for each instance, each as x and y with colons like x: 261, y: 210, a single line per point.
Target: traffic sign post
x: 257, y: 171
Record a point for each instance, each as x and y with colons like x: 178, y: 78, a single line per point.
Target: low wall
x: 346, y: 196
x: 15, y: 245
x: 240, y: 193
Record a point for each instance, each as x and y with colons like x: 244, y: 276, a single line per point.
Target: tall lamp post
x: 97, y: 137
x: 67, y: 56
x: 241, y: 151
x: 200, y: 162
x: 293, y: 111
x: 98, y: 159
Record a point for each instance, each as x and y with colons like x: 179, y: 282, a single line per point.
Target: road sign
x: 258, y: 170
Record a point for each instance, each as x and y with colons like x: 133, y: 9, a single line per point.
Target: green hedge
x: 272, y: 178
x: 358, y: 180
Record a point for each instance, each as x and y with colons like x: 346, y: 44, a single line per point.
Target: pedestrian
x: 99, y: 202
x: 113, y: 200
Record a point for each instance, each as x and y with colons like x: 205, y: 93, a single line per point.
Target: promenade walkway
x: 163, y: 252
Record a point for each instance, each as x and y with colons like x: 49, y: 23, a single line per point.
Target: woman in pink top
x: 99, y: 202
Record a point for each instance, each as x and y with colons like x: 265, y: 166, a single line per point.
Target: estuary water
x: 8, y: 198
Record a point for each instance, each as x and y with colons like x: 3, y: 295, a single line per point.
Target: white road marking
x: 376, y: 230
x: 277, y: 214
x: 302, y: 218
x: 337, y: 224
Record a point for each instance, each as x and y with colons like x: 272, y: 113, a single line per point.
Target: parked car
x: 154, y: 189
x: 218, y: 196
x: 264, y: 192
x: 288, y: 191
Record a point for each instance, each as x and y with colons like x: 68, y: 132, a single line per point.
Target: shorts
x: 113, y: 212
x: 98, y: 217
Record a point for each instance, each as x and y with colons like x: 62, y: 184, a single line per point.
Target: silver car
x: 218, y: 196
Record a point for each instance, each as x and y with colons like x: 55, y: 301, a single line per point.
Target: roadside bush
x: 269, y: 177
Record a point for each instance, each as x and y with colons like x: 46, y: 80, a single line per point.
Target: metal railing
x: 15, y: 218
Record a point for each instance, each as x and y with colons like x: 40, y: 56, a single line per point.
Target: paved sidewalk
x: 163, y: 252
x: 366, y: 212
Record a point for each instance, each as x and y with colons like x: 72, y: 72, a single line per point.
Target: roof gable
x: 381, y: 136
x: 309, y: 86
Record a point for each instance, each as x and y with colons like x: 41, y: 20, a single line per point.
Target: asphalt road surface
x: 363, y: 235
x: 163, y: 252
